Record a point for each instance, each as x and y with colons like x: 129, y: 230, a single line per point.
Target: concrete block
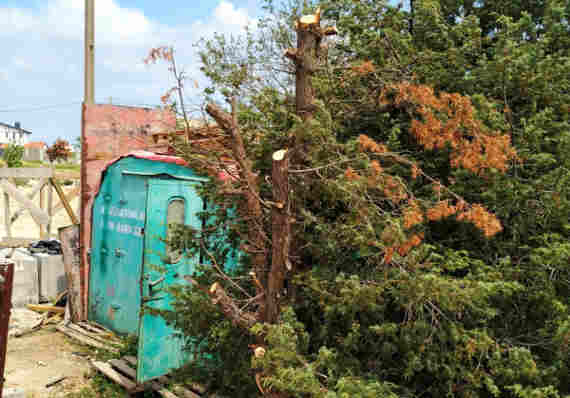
x: 13, y: 393
x: 26, y: 279
x: 52, y: 275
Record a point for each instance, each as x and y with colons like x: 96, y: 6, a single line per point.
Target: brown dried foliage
x: 159, y: 53
x: 449, y: 119
x: 363, y: 68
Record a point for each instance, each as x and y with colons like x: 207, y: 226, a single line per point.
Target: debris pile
x: 51, y: 246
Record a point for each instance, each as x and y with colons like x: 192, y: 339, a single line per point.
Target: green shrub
x: 13, y: 155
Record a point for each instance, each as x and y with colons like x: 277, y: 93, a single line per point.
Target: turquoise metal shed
x: 140, y: 197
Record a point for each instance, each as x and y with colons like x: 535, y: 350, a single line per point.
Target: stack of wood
x: 52, y: 313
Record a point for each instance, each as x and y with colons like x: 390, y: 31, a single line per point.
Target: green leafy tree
x: 13, y: 155
x: 418, y: 244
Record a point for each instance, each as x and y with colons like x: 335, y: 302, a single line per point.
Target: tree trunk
x: 280, y: 236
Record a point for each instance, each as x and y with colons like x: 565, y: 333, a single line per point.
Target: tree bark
x: 280, y: 236
x: 229, y: 308
x: 257, y: 238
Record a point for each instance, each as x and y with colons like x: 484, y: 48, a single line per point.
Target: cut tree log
x: 281, y: 234
x: 308, y: 20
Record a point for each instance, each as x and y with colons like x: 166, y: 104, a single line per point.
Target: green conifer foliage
x: 430, y: 249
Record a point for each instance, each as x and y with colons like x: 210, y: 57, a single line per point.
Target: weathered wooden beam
x: 16, y: 242
x: 67, y: 175
x: 43, y: 206
x: 118, y: 378
x: 31, y: 196
x: 38, y: 214
x: 49, y: 210
x: 45, y: 308
x: 64, y: 201
x: 85, y: 339
x: 26, y: 172
x: 7, y: 222
x: 70, y: 196
x: 124, y: 367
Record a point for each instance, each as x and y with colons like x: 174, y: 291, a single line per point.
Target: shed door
x: 169, y: 202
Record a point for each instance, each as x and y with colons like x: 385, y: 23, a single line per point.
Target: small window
x: 175, y: 215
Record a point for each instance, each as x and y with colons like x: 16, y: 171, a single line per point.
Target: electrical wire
x: 40, y: 107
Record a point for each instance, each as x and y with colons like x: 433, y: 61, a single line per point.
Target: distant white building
x: 13, y: 134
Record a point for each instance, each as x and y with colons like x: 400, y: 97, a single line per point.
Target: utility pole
x: 89, y: 52
x: 88, y: 100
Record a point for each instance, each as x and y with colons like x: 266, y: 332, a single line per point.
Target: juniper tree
x: 400, y: 205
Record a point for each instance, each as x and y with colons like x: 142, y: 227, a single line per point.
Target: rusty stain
x: 111, y: 313
x: 111, y: 291
x: 122, y: 129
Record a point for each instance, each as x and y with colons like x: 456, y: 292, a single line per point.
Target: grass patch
x: 68, y: 166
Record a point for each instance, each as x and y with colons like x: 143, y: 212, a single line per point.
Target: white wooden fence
x: 45, y: 184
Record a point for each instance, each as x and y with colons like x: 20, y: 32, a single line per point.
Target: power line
x: 40, y: 107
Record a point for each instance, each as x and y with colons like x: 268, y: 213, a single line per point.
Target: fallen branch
x: 227, y: 305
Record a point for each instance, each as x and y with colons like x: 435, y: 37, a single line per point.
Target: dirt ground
x: 24, y: 226
x: 36, y: 359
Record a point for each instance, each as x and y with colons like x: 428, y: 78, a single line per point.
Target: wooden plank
x: 101, y: 339
x: 84, y: 339
x: 185, y: 393
x: 67, y: 174
x: 100, y: 327
x: 89, y: 327
x: 38, y: 214
x: 130, y: 359
x: 69, y: 237
x: 70, y: 196
x: 32, y: 328
x: 49, y: 210
x: 42, y: 206
x: 26, y: 172
x: 161, y: 390
x: 118, y: 378
x: 64, y: 201
x: 16, y: 242
x: 31, y: 196
x: 179, y: 389
x: 7, y: 222
x: 46, y: 308
x: 124, y: 367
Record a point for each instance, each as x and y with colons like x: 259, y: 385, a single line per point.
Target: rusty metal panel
x: 6, y: 281
x: 109, y: 131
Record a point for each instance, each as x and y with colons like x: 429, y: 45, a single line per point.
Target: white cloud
x: 227, y: 13
x: 44, y: 63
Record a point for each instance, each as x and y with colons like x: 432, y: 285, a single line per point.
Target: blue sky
x: 41, y: 70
